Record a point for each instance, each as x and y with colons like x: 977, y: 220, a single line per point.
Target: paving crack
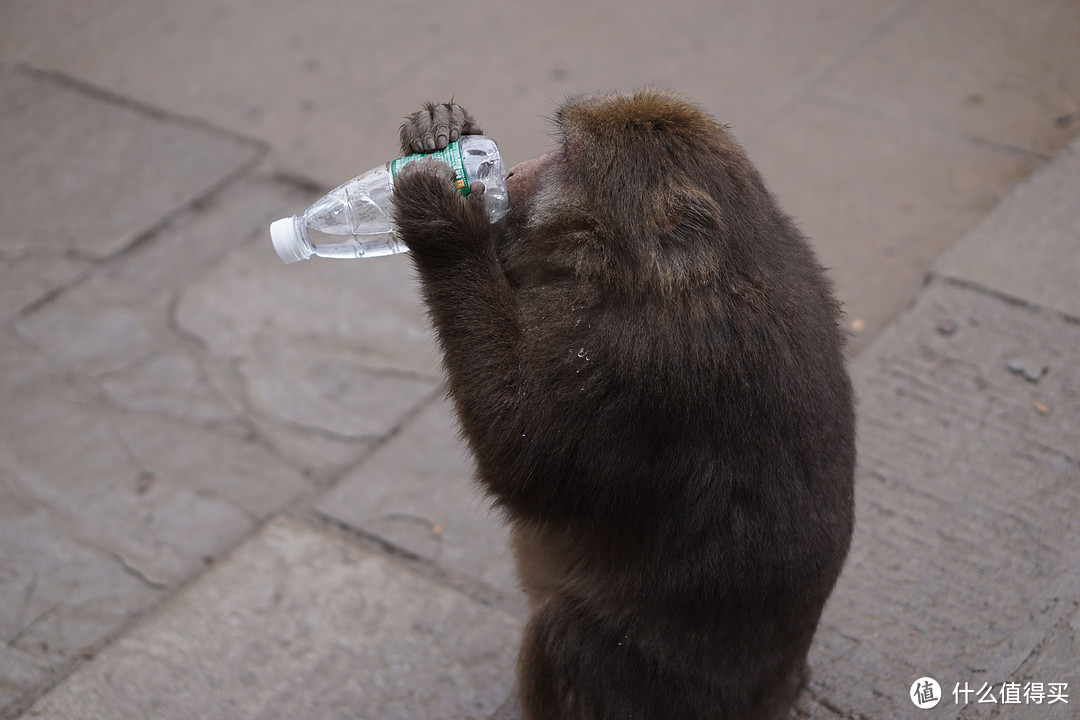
x: 832, y: 707
x: 51, y: 295
x: 888, y: 19
x: 113, y: 98
x: 200, y: 203
x: 139, y: 574
x: 304, y: 184
x: 250, y: 153
x: 998, y: 295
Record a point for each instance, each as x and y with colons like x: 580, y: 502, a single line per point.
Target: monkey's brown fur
x: 646, y: 361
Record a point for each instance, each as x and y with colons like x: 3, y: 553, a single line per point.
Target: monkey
x: 647, y: 364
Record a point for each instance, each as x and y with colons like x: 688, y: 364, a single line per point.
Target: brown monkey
x: 647, y: 363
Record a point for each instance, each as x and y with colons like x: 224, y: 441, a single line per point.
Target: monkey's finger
x: 440, y: 127
x: 461, y: 123
x: 457, y: 116
x: 421, y: 125
x: 418, y: 144
x: 476, y: 189
x: 413, y: 131
x: 427, y: 126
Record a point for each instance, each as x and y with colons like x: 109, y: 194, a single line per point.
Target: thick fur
x: 647, y: 363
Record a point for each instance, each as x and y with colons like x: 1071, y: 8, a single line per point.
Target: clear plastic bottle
x: 355, y: 220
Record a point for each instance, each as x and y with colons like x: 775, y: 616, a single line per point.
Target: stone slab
x: 329, y: 98
x: 965, y: 565
x: 127, y: 455
x: 417, y: 493
x: 203, y: 325
x: 1055, y: 661
x: 918, y: 190
x: 746, y: 62
x: 96, y: 524
x: 116, y: 334
x: 82, y: 176
x: 325, y: 356
x: 59, y: 595
x: 1001, y: 71
x: 327, y: 84
x: 130, y: 484
x: 1029, y: 246
x: 299, y: 624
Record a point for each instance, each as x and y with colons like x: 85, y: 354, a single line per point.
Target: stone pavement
x: 231, y: 488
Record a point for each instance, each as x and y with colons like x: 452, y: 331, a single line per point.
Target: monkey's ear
x: 672, y: 220
x: 688, y: 213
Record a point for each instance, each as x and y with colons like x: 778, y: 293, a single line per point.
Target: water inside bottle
x: 353, y: 220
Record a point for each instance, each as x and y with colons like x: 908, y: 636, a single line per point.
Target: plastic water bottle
x: 355, y: 220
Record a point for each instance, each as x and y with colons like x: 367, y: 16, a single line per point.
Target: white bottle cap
x: 289, y: 243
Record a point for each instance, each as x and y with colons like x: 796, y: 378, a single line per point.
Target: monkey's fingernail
x: 454, y: 135
x: 430, y: 143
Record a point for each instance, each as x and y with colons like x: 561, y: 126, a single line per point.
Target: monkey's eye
x: 569, y: 150
x: 562, y: 160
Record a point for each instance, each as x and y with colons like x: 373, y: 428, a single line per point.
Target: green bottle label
x: 451, y: 155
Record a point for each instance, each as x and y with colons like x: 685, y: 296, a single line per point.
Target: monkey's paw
x: 428, y: 207
x: 426, y: 172
x: 436, y: 126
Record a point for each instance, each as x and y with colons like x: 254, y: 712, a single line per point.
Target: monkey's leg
x: 572, y: 668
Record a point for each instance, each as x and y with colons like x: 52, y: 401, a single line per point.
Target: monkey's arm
x: 470, y: 301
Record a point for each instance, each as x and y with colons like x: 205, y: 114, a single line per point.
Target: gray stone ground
x: 231, y: 488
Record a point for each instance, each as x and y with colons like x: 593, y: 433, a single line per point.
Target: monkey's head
x: 634, y: 193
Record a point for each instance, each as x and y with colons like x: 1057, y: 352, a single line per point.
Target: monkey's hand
x: 435, y: 127
x: 432, y: 216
